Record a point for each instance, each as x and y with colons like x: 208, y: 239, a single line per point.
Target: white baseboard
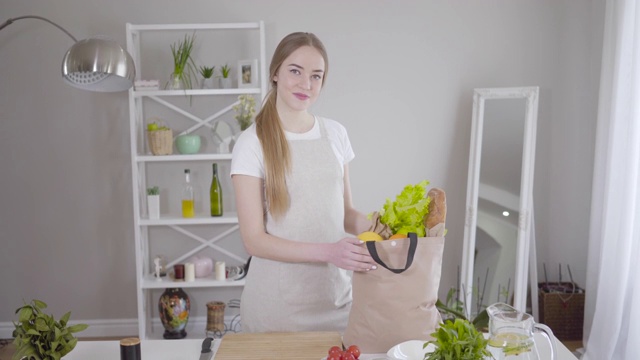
x: 127, y: 327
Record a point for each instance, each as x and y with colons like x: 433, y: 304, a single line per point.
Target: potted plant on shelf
x: 39, y: 336
x: 207, y: 76
x: 183, y: 65
x: 153, y: 202
x: 225, y: 80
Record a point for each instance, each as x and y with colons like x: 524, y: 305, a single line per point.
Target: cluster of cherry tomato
x: 351, y: 353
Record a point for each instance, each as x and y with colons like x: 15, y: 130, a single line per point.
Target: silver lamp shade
x: 98, y: 64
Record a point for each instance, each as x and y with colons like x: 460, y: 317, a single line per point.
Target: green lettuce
x: 406, y: 213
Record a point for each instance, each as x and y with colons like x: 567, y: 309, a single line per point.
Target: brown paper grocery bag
x: 396, y: 302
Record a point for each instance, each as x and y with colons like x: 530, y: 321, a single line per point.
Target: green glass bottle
x: 215, y: 193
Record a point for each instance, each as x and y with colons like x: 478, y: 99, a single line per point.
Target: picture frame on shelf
x: 247, y: 73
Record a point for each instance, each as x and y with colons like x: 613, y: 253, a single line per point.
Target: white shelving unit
x: 141, y: 160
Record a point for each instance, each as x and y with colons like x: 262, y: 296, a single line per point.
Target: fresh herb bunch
x: 153, y: 190
x: 207, y: 71
x: 458, y: 340
x: 245, y: 110
x: 183, y: 65
x: 39, y: 336
x: 455, y: 309
x: 225, y: 70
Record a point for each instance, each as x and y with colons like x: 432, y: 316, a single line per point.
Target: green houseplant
x: 207, y: 71
x: 153, y: 202
x: 207, y: 76
x: 183, y: 65
x: 225, y: 81
x: 154, y: 190
x: 39, y: 336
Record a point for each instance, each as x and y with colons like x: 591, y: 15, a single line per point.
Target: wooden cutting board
x: 271, y: 346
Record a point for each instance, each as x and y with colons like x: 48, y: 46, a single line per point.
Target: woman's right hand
x: 351, y: 254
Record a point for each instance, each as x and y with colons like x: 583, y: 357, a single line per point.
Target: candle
x: 178, y: 270
x: 189, y: 272
x: 220, y: 270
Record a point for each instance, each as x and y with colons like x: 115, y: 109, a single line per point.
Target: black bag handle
x: 413, y: 244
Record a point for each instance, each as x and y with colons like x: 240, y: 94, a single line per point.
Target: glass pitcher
x: 511, y: 334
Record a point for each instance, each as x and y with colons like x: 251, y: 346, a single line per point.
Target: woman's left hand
x: 351, y: 254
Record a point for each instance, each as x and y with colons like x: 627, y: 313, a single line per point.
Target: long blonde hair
x: 275, y: 149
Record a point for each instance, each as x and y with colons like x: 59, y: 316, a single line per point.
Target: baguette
x: 434, y: 221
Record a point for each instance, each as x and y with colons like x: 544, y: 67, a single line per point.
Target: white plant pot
x: 153, y: 206
x: 207, y: 83
x: 225, y: 83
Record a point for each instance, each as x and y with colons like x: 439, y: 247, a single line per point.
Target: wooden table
x: 270, y: 346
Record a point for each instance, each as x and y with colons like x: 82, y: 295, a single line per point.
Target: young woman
x: 291, y: 179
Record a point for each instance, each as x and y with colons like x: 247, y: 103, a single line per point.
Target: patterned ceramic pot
x: 174, y: 305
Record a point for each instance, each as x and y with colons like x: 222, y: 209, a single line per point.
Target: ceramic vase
x: 153, y: 205
x: 207, y: 83
x: 174, y: 306
x: 225, y: 83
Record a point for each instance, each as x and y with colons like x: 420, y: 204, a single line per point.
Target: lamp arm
x: 10, y: 21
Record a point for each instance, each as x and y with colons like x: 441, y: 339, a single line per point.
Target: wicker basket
x: 563, y: 312
x: 215, y: 316
x: 160, y: 142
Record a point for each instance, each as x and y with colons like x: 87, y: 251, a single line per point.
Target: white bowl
x: 410, y: 350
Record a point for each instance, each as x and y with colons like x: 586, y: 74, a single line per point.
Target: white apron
x: 282, y: 296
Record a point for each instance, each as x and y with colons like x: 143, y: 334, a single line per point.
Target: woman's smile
x: 301, y: 96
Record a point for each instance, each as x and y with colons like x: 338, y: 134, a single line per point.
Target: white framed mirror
x: 499, y: 213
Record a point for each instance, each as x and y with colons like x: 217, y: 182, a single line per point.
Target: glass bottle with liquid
x: 188, y: 210
x: 215, y: 193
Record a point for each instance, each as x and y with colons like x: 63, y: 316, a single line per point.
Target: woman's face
x: 299, y: 79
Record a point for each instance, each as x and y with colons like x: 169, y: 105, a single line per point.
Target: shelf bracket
x: 206, y: 243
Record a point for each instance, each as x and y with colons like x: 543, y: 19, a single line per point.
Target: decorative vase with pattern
x: 174, y: 306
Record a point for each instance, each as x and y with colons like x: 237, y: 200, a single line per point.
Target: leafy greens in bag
x: 406, y: 214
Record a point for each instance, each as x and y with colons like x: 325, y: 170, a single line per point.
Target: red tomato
x: 335, y: 350
x: 334, y: 357
x: 355, y: 350
x: 348, y: 356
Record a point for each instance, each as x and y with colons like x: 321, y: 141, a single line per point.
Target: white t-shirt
x: 247, y: 156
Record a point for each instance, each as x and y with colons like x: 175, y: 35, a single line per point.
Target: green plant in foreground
x: 457, y: 340
x: 153, y: 190
x: 39, y: 336
x: 455, y: 309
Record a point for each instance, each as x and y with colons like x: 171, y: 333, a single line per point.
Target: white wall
x: 401, y: 79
